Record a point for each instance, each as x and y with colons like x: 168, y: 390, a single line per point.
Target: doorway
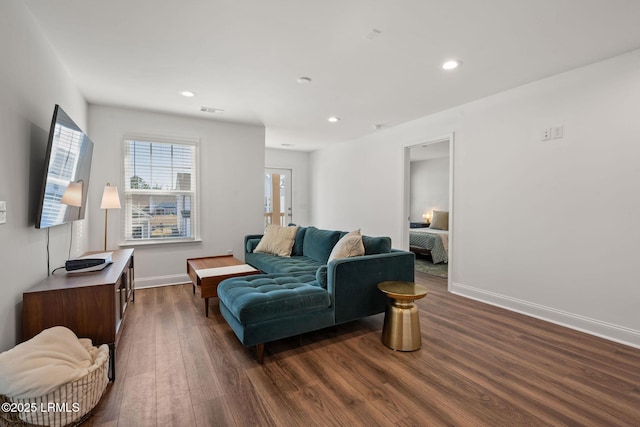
x: 277, y: 197
x: 428, y: 188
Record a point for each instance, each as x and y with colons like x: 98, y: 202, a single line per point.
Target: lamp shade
x: 73, y: 194
x: 110, y: 198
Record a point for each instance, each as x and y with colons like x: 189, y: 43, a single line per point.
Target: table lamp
x: 72, y: 196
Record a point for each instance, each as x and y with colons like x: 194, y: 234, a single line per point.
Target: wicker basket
x: 69, y: 405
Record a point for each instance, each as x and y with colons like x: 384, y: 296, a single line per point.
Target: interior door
x: 277, y: 197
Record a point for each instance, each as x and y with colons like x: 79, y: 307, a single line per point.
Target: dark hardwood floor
x: 479, y: 366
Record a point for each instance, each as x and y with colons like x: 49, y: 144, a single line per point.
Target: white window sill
x: 136, y: 243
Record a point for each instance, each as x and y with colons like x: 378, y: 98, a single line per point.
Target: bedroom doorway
x: 428, y: 200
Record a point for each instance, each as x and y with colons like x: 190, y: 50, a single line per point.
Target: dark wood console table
x: 93, y: 305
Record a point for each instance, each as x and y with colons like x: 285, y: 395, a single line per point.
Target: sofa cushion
x: 298, y: 242
x: 272, y: 264
x: 252, y: 244
x: 321, y: 276
x: 348, y: 246
x: 376, y: 245
x: 277, y: 240
x: 259, y: 298
x: 319, y: 243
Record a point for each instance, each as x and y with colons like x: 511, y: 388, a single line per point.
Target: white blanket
x: 445, y: 242
x: 47, y: 361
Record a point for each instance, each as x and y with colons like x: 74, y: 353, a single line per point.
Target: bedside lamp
x: 110, y: 200
x: 427, y: 217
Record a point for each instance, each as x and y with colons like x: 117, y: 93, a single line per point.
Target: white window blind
x: 160, y: 190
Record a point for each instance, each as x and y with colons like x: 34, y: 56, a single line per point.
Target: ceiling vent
x: 211, y: 110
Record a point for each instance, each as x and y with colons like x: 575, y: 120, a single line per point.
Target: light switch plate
x: 3, y: 212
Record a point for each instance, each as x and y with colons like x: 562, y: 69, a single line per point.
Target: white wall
x: 359, y: 186
x: 429, y: 187
x: 298, y: 162
x: 32, y: 81
x: 547, y: 228
x: 231, y: 168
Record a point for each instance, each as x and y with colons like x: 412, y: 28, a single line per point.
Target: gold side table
x: 401, y: 330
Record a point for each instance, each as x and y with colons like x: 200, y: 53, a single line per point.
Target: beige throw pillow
x: 349, y: 246
x: 277, y: 240
x: 440, y: 220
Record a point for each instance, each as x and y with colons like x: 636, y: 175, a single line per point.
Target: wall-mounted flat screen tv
x: 66, y: 176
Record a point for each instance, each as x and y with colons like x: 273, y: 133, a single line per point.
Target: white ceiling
x: 244, y: 56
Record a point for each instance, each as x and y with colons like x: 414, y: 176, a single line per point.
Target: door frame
x: 406, y: 195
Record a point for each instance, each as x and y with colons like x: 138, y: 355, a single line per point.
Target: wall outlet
x: 557, y: 132
x: 3, y: 212
x: 553, y: 132
x: 546, y: 134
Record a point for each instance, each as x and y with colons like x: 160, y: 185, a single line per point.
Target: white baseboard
x: 609, y: 331
x: 154, y: 282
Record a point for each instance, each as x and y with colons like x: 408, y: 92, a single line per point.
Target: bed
x: 429, y: 241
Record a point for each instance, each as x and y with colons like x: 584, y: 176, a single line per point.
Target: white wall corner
x: 584, y: 324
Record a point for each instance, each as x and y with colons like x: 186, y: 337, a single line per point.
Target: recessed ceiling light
x: 378, y: 126
x: 304, y: 80
x: 187, y: 93
x: 333, y: 119
x: 451, y: 64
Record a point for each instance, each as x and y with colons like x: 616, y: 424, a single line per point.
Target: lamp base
x: 105, y: 228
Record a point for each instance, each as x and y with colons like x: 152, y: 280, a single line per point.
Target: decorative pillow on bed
x: 348, y: 246
x: 277, y: 240
x: 440, y: 220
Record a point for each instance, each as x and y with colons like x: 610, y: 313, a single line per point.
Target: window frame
x: 195, y: 193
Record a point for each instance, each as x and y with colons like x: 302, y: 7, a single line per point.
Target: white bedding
x: 437, y: 241
x: 429, y: 230
x: 444, y: 235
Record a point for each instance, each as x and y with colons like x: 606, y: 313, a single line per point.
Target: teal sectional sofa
x: 306, y: 292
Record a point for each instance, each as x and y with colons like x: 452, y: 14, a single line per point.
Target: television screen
x: 66, y: 176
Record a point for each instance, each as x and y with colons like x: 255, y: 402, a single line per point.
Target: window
x: 160, y: 190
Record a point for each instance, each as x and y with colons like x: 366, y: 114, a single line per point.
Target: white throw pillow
x: 277, y: 240
x: 349, y: 246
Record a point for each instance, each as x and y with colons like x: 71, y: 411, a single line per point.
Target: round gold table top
x: 403, y: 291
